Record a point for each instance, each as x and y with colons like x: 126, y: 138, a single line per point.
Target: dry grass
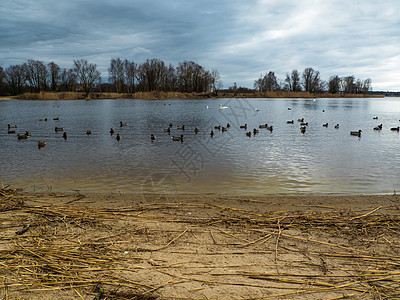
x: 194, y: 250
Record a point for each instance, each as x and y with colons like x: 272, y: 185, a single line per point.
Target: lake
x: 322, y: 160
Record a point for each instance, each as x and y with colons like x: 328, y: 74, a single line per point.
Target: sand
x: 90, y: 246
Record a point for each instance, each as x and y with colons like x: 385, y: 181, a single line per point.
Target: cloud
x: 241, y: 39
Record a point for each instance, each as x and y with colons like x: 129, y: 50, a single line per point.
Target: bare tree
x: 87, y: 73
x: 334, y: 84
x: 130, y: 69
x: 216, y: 81
x: 292, y: 81
x: 267, y: 83
x: 68, y: 80
x: 15, y: 78
x: 3, y: 84
x: 36, y: 75
x: 54, y: 76
x: 150, y: 74
x: 116, y: 74
x: 311, y: 80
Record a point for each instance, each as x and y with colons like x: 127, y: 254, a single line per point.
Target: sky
x: 243, y: 40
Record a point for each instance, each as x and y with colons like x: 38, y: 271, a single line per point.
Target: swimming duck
x: 290, y: 122
x: 28, y: 133
x: 255, y: 131
x: 41, y: 144
x: 270, y: 128
x: 170, y: 124
x: 228, y: 125
x: 304, y: 124
x: 56, y: 129
x: 379, y: 127
x: 153, y: 137
x: 180, y: 127
x: 356, y: 133
x: 325, y: 125
x: 43, y: 119
x: 88, y: 132
x: 178, y: 138
x: 217, y: 127
x: 337, y: 126
x: 244, y: 126
x: 196, y: 130
x: 303, y: 129
x: 56, y: 119
x: 263, y: 126
x: 118, y: 137
x: 112, y: 131
x: 375, y: 118
x: 64, y: 135
x: 22, y: 136
x: 395, y: 128
x: 212, y: 133
x: 122, y: 124
x: 289, y: 108
x: 11, y: 126
x: 224, y: 129
x: 248, y: 133
x: 11, y: 131
x: 167, y: 130
x: 300, y: 120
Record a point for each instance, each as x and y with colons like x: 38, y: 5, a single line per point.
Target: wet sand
x: 81, y: 246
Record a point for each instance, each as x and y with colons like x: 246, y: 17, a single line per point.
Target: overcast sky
x: 241, y: 39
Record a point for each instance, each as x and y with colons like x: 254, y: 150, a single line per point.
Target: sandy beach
x: 89, y: 246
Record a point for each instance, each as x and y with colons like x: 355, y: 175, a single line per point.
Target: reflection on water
x: 323, y: 160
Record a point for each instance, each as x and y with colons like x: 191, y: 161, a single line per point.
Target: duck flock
x: 303, y: 125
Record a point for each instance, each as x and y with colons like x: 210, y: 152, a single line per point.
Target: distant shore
x: 177, y: 95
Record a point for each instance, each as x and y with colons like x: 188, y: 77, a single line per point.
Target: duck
x: 290, y: 122
x: 41, y: 144
x: 167, y: 130
x: 196, y: 130
x: 64, y: 135
x: 325, y: 125
x: 56, y: 119
x: 289, y: 108
x: 121, y: 124
x: 304, y: 124
x: 178, y: 138
x: 118, y: 137
x: 255, y: 131
x: 112, y: 131
x: 337, y: 126
x: 300, y: 120
x: 217, y: 127
x: 263, y: 126
x: 11, y: 126
x: 222, y: 107
x: 244, y: 126
x: 170, y: 125
x: 228, y: 125
x: 270, y: 128
x: 248, y: 133
x: 395, y: 128
x: 28, y: 133
x: 88, y: 132
x: 379, y: 127
x: 153, y: 137
x: 224, y: 129
x: 375, y: 118
x: 56, y: 129
x: 303, y: 129
x: 22, y: 136
x: 212, y: 133
x: 208, y: 107
x: 180, y: 127
x: 43, y: 119
x: 11, y: 131
x: 356, y: 133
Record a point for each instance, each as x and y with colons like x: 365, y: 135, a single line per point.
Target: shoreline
x: 177, y: 95
x: 82, y: 245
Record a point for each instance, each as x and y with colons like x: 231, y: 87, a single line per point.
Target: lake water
x: 323, y: 160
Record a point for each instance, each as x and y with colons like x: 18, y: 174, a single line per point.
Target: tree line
x: 126, y: 76
x: 310, y: 81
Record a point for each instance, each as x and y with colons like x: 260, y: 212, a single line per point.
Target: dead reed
x: 195, y: 251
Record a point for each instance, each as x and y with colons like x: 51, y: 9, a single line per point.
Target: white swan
x: 208, y: 107
x: 222, y: 107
